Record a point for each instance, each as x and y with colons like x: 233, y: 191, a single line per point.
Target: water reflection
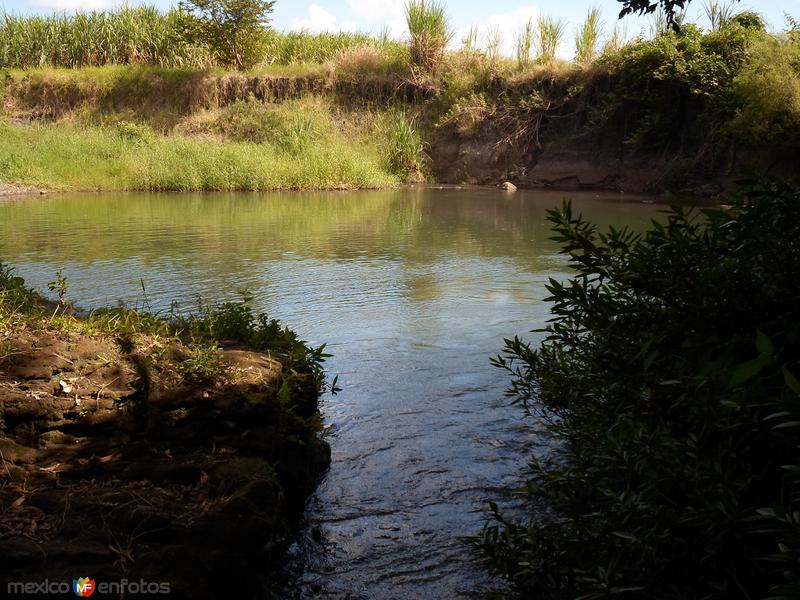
x: 413, y: 290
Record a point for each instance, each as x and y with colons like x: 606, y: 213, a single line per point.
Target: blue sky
x: 374, y: 15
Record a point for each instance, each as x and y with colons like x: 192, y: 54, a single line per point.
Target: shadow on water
x: 412, y: 290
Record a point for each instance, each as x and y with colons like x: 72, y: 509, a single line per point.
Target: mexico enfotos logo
x: 86, y: 586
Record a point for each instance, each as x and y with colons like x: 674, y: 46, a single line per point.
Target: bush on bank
x: 669, y: 373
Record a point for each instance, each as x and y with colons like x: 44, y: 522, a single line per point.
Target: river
x: 411, y: 290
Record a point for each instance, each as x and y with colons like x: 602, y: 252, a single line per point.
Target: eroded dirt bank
x: 115, y: 464
x: 565, y: 131
x: 563, y: 151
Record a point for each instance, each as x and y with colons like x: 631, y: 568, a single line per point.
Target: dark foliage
x: 677, y: 89
x: 671, y: 9
x: 669, y: 374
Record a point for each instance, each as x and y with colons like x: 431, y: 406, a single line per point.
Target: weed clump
x: 430, y: 32
x: 405, y: 151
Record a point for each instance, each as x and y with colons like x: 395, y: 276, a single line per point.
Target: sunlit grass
x: 430, y: 32
x: 550, y: 33
x: 62, y: 156
x: 128, y: 35
x: 587, y: 38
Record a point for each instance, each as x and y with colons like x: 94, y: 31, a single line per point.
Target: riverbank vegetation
x: 669, y: 374
x: 137, y: 445
x: 240, y: 147
x: 682, y: 108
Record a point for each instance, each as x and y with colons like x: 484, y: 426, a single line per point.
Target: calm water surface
x: 412, y: 291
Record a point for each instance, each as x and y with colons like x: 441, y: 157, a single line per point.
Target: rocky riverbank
x: 140, y: 456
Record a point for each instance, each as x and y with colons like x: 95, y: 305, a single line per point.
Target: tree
x: 671, y: 8
x: 233, y: 29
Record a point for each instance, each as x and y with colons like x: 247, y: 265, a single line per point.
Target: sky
x: 375, y: 15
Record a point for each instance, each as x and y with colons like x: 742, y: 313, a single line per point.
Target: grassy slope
x: 160, y: 142
x: 65, y: 156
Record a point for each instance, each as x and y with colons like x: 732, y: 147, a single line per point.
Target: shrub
x: 248, y: 121
x: 677, y: 85
x: 302, y: 376
x: 768, y: 90
x: 668, y: 374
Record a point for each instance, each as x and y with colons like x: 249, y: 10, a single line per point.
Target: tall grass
x: 524, y: 44
x: 301, y: 149
x: 718, y: 13
x: 429, y: 30
x: 617, y: 40
x: 144, y: 35
x: 658, y: 23
x: 494, y: 39
x: 404, y: 150
x: 302, y: 47
x: 469, y: 42
x: 550, y: 34
x: 129, y: 35
x: 587, y: 38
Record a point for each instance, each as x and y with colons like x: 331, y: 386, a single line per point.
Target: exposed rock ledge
x: 111, y: 467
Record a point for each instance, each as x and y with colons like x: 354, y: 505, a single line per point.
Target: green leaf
x: 285, y: 392
x: 764, y: 345
x: 746, y: 371
x: 791, y: 381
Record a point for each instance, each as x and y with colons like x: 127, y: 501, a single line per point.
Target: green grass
x: 550, y: 34
x: 146, y: 36
x: 129, y: 35
x: 587, y: 38
x: 302, y: 47
x: 63, y: 156
x: 430, y: 32
x: 404, y: 146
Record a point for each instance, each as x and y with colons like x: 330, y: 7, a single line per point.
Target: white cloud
x: 75, y: 5
x: 397, y: 28
x: 377, y: 10
x: 319, y: 20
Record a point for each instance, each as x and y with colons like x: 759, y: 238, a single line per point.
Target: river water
x: 412, y: 291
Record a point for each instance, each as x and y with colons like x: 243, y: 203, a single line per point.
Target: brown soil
x: 10, y: 189
x: 112, y: 466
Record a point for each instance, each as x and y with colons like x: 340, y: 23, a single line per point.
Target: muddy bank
x: 116, y: 464
x: 570, y: 155
x: 9, y: 189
